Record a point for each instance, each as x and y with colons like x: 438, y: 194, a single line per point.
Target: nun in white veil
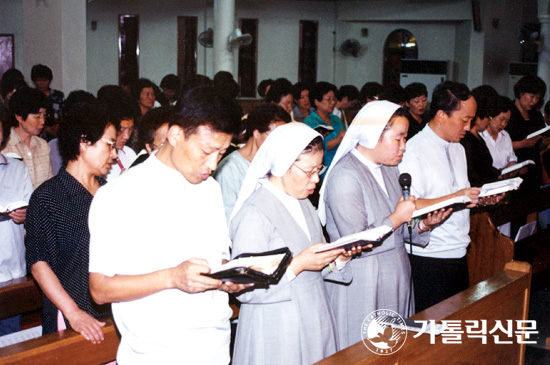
x: 361, y: 191
x: 290, y: 322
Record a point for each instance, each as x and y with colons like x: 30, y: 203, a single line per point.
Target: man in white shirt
x: 155, y: 230
x: 437, y: 164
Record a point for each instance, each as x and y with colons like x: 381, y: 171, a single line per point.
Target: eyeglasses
x: 111, y: 143
x: 330, y: 100
x: 320, y: 170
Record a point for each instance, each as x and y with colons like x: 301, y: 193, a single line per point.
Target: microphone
x: 405, y: 182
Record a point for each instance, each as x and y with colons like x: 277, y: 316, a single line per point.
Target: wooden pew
x: 19, y: 296
x: 489, y: 250
x: 501, y: 297
x: 64, y: 347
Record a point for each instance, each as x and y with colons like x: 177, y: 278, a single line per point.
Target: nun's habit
x: 357, y: 195
x: 291, y: 322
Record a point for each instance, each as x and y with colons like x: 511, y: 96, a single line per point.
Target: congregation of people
x: 132, y: 195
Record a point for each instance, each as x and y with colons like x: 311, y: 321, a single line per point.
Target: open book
x: 13, y: 206
x: 499, y: 187
x: 539, y: 132
x: 360, y: 238
x: 265, y: 268
x: 324, y: 129
x: 516, y: 167
x: 457, y: 200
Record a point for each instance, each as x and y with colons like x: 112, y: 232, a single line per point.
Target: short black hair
x: 530, y: 84
x: 27, y: 101
x: 262, y: 116
x: 415, y: 90
x: 350, y: 91
x: 172, y: 82
x: 225, y: 84
x: 83, y: 122
x: 77, y: 96
x: 316, y: 144
x: 203, y: 106
x: 487, y: 102
x: 41, y: 72
x: 370, y: 90
x: 119, y: 106
x: 279, y: 88
x: 262, y: 86
x: 151, y: 121
x: 298, y: 88
x: 504, y: 104
x: 396, y: 94
x: 6, y: 128
x: 11, y: 80
x: 319, y: 90
x: 139, y: 85
x: 447, y: 97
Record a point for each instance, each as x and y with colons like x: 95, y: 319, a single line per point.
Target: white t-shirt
x: 501, y: 150
x: 426, y: 161
x: 152, y: 218
x: 126, y: 157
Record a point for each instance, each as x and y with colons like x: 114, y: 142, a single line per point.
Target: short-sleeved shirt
x: 15, y: 185
x: 439, y: 168
x: 501, y: 150
x: 230, y: 175
x: 314, y: 120
x: 57, y: 233
x: 149, y: 219
x: 36, y: 156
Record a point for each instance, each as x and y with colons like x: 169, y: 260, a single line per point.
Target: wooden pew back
x: 504, y: 296
x: 19, y: 296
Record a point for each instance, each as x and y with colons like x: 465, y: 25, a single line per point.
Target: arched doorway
x: 400, y: 44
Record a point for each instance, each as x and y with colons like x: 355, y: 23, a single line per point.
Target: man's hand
x: 491, y: 199
x: 187, y: 276
x: 471, y: 193
x: 86, y: 325
x: 231, y: 288
x: 19, y: 215
x: 436, y: 217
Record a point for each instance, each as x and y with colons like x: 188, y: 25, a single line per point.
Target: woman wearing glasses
x: 361, y: 191
x: 290, y: 322
x: 323, y: 98
x: 57, y: 223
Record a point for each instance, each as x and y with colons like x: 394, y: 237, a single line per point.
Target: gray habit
x: 355, y: 201
x: 291, y: 322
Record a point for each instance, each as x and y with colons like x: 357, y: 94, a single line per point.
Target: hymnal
x: 258, y: 268
x: 324, y: 129
x: 542, y: 131
x: 13, y: 206
x: 499, y: 187
x: 516, y: 167
x: 448, y: 203
x: 361, y: 238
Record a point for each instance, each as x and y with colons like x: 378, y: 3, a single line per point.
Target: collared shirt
x: 439, y: 168
x: 36, y: 156
x: 149, y: 219
x: 15, y: 185
x: 501, y: 149
x: 125, y: 157
x: 57, y: 233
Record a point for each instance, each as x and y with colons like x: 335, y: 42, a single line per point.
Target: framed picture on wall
x: 7, y: 60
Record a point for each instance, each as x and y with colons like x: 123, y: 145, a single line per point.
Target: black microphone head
x: 405, y: 180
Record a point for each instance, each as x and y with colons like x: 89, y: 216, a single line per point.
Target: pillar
x: 224, y: 24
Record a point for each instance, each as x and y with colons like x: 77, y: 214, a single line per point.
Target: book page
x: 516, y: 167
x: 13, y: 206
x: 500, y: 187
x: 539, y: 132
x: 463, y: 199
x: 369, y: 235
x: 265, y: 264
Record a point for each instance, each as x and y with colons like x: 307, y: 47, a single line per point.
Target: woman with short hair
x: 57, y: 223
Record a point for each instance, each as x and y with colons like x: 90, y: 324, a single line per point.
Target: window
x: 400, y: 44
